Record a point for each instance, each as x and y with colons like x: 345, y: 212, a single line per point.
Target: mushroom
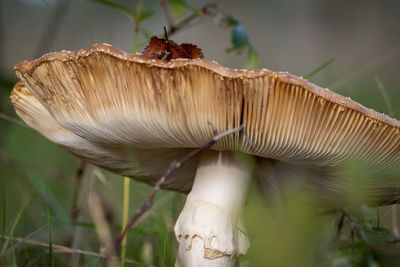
x: 133, y: 115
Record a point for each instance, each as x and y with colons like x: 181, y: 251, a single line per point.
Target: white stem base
x: 209, y: 229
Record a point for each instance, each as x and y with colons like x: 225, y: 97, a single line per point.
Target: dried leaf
x: 160, y: 48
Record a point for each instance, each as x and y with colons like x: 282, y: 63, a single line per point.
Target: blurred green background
x: 352, y: 47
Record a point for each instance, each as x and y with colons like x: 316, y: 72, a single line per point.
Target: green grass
x: 50, y: 262
x: 319, y: 68
x: 15, y: 224
x: 37, y: 186
x: 37, y: 178
x: 125, y: 216
x: 37, y: 181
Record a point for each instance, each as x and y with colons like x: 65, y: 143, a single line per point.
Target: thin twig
x: 167, y: 13
x: 248, y: 139
x: 103, y: 229
x: 125, y: 215
x: 17, y: 164
x: 371, y: 65
x: 390, y: 110
x: 2, y: 37
x: 355, y: 231
x: 58, y: 248
x: 173, y: 28
x: 75, y: 211
x: 148, y: 203
x: 166, y: 34
x: 340, y: 225
x: 136, y: 29
x: 77, y: 188
x: 13, y: 120
x: 395, y: 221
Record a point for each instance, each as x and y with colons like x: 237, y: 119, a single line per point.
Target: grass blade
x: 319, y: 68
x: 3, y: 210
x: 60, y: 249
x: 50, y: 223
x: 125, y: 216
x: 390, y: 110
x: 16, y: 221
x: 42, y: 228
x: 385, y: 96
x: 12, y: 120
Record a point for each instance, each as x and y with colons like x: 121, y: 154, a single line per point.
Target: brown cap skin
x: 134, y: 115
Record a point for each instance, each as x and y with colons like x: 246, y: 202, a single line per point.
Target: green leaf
x: 146, y: 34
x: 253, y: 59
x: 179, y: 8
x: 114, y: 5
x: 239, y: 38
x: 371, y: 262
x: 378, y: 235
x: 349, y: 255
x: 145, y: 14
x: 240, y: 41
x: 230, y: 20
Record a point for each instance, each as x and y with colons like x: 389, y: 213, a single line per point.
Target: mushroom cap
x: 134, y: 115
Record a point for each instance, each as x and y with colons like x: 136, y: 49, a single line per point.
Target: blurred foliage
x: 180, y: 8
x: 132, y: 12
x: 36, y: 185
x: 240, y: 42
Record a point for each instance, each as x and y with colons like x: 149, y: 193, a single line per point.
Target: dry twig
x: 13, y: 120
x: 167, y: 13
x: 340, y: 225
x: 75, y: 211
x: 57, y: 248
x: 207, y: 9
x: 77, y: 188
x: 355, y: 231
x: 148, y: 203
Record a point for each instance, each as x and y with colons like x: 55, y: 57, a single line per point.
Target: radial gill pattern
x: 101, y: 102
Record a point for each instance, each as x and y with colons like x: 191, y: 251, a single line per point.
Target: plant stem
x: 173, y: 28
x: 77, y: 188
x: 58, y: 248
x: 74, y: 259
x: 390, y: 110
x: 167, y: 13
x: 125, y: 216
x: 137, y: 20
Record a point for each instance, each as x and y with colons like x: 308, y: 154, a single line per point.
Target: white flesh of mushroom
x: 209, y: 229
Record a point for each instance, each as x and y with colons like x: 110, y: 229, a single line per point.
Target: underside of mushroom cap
x: 143, y: 164
x: 119, y: 102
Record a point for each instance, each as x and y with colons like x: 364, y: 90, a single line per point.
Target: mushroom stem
x: 209, y: 229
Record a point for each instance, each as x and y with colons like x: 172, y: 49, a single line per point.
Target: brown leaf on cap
x: 160, y: 48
